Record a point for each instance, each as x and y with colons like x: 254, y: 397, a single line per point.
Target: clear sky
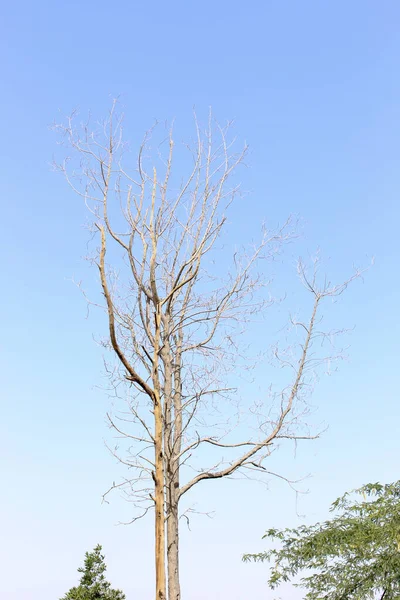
x: 314, y: 88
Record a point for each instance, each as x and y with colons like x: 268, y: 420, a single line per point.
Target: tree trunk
x: 173, y: 471
x: 174, y: 590
x: 159, y: 505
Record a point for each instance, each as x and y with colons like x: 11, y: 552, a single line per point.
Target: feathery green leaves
x: 353, y: 556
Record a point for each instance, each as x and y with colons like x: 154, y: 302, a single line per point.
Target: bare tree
x: 174, y: 321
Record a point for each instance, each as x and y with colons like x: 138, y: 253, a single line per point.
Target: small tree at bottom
x: 93, y: 584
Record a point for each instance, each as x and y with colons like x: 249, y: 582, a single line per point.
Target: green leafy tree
x: 355, y: 555
x: 93, y: 584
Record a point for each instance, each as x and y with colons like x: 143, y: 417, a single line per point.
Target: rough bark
x: 174, y: 592
x: 159, y: 506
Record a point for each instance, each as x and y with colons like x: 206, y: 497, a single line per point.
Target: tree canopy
x: 93, y: 584
x: 354, y: 555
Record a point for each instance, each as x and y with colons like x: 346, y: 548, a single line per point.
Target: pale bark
x: 174, y: 592
x: 161, y: 593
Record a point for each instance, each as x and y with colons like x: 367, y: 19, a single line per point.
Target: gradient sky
x: 314, y: 88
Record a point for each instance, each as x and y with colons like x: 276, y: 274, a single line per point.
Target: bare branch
x: 176, y: 314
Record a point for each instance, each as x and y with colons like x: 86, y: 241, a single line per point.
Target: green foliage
x: 93, y: 584
x: 355, y: 555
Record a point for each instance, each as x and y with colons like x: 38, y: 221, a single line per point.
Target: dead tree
x: 173, y: 321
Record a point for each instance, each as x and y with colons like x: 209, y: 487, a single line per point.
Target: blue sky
x: 314, y: 88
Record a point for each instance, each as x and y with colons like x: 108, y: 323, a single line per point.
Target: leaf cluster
x: 354, y: 555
